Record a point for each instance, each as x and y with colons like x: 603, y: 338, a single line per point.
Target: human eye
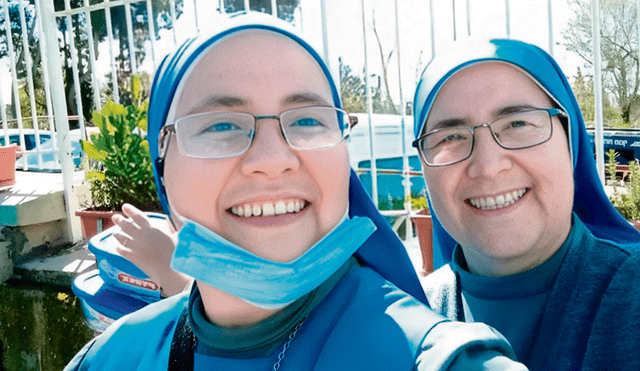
x: 448, y: 138
x: 307, y: 122
x: 220, y: 127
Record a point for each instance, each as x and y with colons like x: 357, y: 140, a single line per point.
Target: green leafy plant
x: 120, y: 169
x: 625, y: 198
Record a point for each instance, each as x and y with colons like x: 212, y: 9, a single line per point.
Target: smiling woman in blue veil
x: 294, y: 267
x: 531, y: 243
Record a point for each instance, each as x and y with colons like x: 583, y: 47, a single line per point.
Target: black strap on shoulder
x: 459, y: 303
x: 183, y: 345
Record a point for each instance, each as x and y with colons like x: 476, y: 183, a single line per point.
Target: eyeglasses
x: 520, y: 130
x: 228, y: 134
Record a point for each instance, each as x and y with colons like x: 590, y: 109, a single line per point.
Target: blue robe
x: 364, y: 323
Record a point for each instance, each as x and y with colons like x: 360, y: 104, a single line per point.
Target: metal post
x: 597, y: 88
x: 14, y: 80
x: 406, y: 175
x: 550, y: 13
x: 132, y: 51
x: 29, y: 66
x: 74, y: 67
x: 274, y: 8
x: 453, y: 9
x: 507, y: 11
x: 325, y: 37
x: 469, y: 18
x: 152, y: 33
x: 60, y: 109
x: 95, y: 83
x: 433, y: 38
x: 367, y: 86
x: 114, y: 72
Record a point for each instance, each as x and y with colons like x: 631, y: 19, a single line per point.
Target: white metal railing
x: 318, y: 20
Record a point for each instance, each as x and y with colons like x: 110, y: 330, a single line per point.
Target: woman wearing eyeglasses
x: 294, y: 267
x: 531, y: 243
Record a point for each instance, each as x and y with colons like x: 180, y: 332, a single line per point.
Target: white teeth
x: 497, y: 202
x: 268, y: 208
x: 280, y: 208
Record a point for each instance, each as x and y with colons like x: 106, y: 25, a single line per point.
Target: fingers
x: 122, y: 248
x: 138, y: 216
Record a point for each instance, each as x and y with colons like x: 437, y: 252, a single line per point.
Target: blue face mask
x: 207, y: 257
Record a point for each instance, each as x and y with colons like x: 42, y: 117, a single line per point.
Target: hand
x: 149, y: 243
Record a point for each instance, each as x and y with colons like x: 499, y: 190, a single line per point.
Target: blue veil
x: 383, y: 251
x: 591, y: 204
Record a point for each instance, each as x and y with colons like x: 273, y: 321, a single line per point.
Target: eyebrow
x: 228, y: 101
x: 507, y: 110
x: 218, y: 101
x: 305, y: 98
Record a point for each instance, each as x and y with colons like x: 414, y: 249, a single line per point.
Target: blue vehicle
x: 626, y: 142
x: 47, y: 150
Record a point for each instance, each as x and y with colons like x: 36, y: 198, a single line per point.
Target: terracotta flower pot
x: 422, y: 221
x: 7, y: 166
x: 94, y: 222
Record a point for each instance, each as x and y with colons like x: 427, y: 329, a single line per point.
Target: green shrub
x: 627, y: 202
x: 120, y: 168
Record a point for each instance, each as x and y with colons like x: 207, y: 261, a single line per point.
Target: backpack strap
x: 183, y: 344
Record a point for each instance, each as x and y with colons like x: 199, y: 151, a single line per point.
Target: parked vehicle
x: 47, y: 150
x: 626, y: 142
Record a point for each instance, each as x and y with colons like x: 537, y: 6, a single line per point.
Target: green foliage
x: 354, y: 94
x: 627, y: 201
x: 619, y: 40
x: 124, y: 171
x: 418, y: 202
x: 611, y: 165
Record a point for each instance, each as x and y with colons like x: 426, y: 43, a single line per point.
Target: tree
x: 386, y: 101
x: 583, y: 90
x: 162, y: 20
x: 286, y: 8
x: 354, y: 94
x: 619, y: 40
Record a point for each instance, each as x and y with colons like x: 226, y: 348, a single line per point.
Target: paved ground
x: 60, y: 269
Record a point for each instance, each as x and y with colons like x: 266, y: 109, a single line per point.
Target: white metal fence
x: 80, y: 51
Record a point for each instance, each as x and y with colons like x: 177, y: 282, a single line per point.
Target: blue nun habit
x: 364, y: 323
x: 383, y: 251
x: 591, y: 204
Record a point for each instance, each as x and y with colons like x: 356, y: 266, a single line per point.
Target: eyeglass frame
x: 551, y: 111
x: 169, y: 129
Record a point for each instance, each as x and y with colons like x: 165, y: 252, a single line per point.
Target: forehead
x: 488, y: 84
x: 254, y: 66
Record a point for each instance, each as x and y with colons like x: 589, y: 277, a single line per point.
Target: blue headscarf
x: 591, y: 204
x: 383, y: 251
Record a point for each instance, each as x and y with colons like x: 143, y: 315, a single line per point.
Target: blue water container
x: 117, y: 272
x: 101, y: 305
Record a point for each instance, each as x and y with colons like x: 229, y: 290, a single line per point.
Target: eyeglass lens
x: 226, y: 134
x: 520, y: 130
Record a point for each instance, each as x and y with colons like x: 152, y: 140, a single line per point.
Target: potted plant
x: 626, y: 195
x: 423, y: 224
x: 7, y: 165
x: 119, y: 166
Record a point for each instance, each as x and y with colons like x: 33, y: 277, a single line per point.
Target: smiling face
x: 298, y: 195
x: 534, y: 186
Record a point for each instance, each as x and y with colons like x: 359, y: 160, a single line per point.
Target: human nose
x: 487, y: 159
x: 269, y: 154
